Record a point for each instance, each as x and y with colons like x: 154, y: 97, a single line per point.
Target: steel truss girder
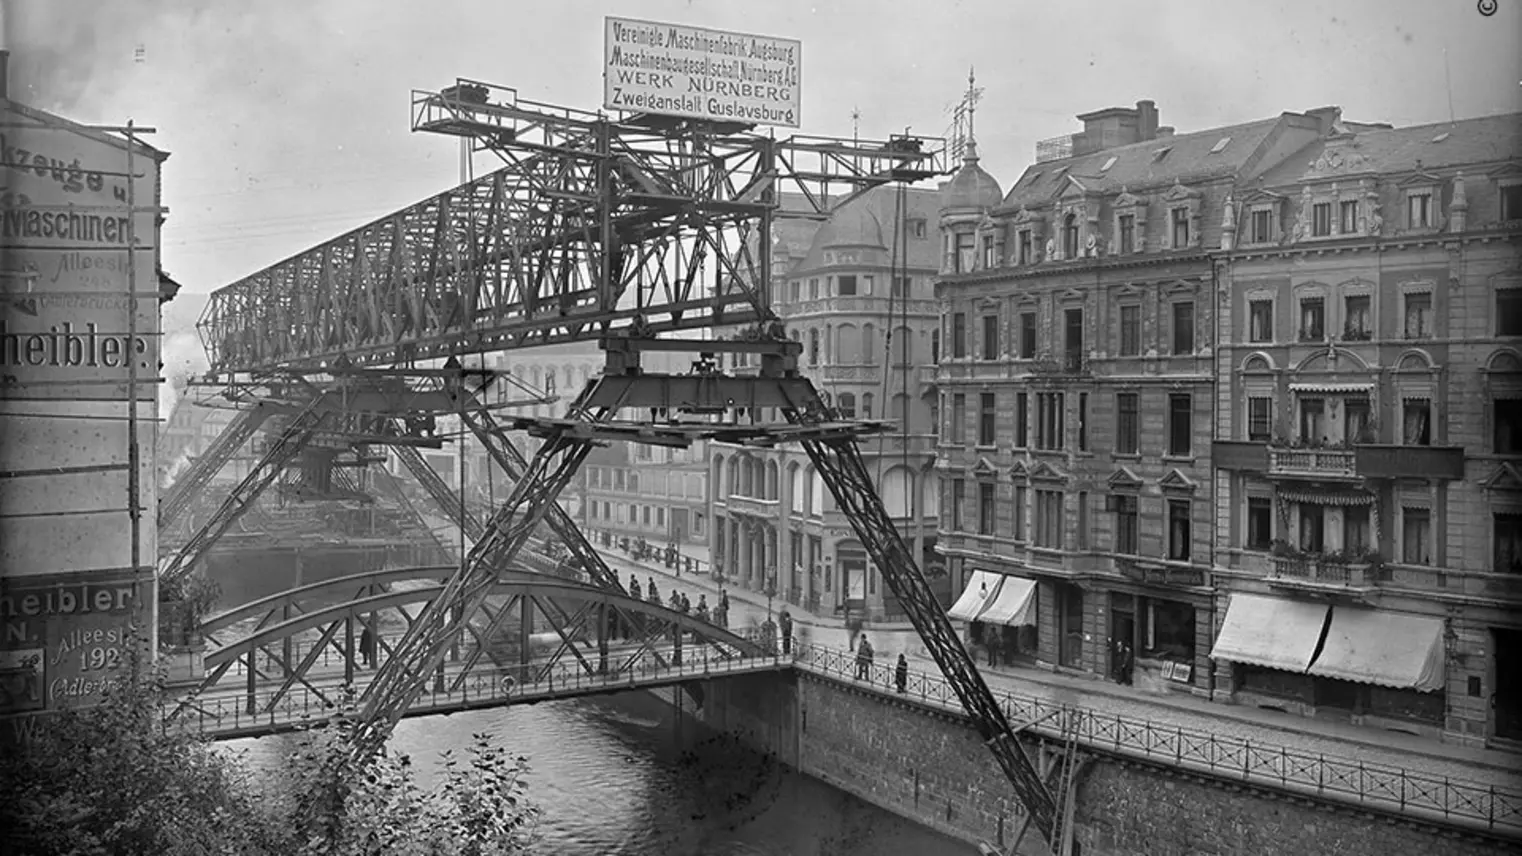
x: 428, y: 641
x: 443, y: 496
x: 840, y: 466
x: 190, y: 484
x: 592, y: 224
x: 293, y: 437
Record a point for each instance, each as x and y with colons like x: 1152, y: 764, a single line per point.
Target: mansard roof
x: 1488, y: 139
x: 1137, y: 166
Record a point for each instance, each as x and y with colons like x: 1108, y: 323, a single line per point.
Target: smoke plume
x: 183, y: 359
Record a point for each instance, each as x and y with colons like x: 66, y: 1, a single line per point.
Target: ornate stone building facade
x: 1369, y: 402
x: 857, y: 294
x: 1077, y: 392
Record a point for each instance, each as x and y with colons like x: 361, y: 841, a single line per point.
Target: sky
x: 287, y: 120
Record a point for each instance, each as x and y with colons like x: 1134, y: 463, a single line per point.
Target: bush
x: 117, y: 778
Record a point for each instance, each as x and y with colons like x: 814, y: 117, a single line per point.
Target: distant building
x: 1369, y: 403
x: 856, y: 293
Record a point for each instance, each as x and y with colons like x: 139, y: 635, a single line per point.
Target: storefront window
x: 1170, y: 630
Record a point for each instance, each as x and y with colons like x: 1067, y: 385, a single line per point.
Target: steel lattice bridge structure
x: 640, y: 231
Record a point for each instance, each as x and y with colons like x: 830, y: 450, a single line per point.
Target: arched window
x: 773, y: 491
x: 866, y: 405
x: 718, y: 475
x: 903, y: 350
x: 848, y: 349
x: 847, y: 406
x: 796, y: 497
x: 868, y: 344
x: 816, y: 493
x: 732, y: 482
x: 1070, y: 236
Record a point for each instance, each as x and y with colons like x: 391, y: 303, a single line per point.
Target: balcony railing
x: 1316, y: 463
x: 1325, y: 571
x: 754, y: 506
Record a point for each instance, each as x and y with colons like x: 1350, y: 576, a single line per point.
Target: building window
x: 1127, y: 423
x: 957, y: 487
x: 1511, y: 202
x: 1312, y: 319
x: 795, y: 290
x: 1259, y: 419
x: 1356, y: 425
x: 1507, y: 433
x: 959, y: 419
x: 1180, y: 424
x: 1178, y: 530
x: 1027, y: 245
x: 1508, y: 312
x: 645, y: 513
x: 1347, y: 211
x: 1127, y: 534
x: 1416, y: 422
x: 845, y: 286
x: 1416, y: 536
x: 1355, y: 528
x: 1083, y: 421
x: 988, y: 252
x: 1262, y: 226
x: 1070, y: 236
x: 845, y: 403
x: 935, y: 346
x: 1027, y: 335
x: 1355, y: 321
x: 1183, y: 327
x: 935, y: 419
x: 1260, y: 523
x: 814, y: 288
x: 986, y: 419
x: 985, y: 508
x: 1073, y: 339
x: 898, y: 286
x: 1128, y: 233
x: 1260, y: 321
x: 1312, y: 420
x: 1049, y: 519
x: 1418, y: 315
x: 1180, y: 228
x: 964, y: 256
x: 958, y: 336
x: 813, y: 347
x: 1130, y: 331
x: 990, y: 337
x: 1049, y: 420
x: 1022, y: 420
x: 1419, y: 210
x: 917, y: 227
x: 866, y: 405
x: 1506, y: 538
x: 1321, y: 219
x: 1020, y: 500
x: 1312, y: 527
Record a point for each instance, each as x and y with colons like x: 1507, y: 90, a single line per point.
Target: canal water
x: 621, y: 776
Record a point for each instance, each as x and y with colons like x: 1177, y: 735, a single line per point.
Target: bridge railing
x: 1371, y: 787
x: 226, y: 711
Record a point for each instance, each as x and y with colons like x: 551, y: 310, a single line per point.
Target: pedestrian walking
x: 724, y: 601
x: 721, y: 616
x: 651, y: 594
x: 864, y: 659
x: 785, y: 624
x: 634, y: 587
x: 686, y: 604
x: 702, y: 608
x: 1127, y: 663
x: 901, y: 674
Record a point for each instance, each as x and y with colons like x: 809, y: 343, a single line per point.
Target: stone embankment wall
x: 932, y: 768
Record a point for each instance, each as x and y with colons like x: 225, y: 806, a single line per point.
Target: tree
x: 120, y: 778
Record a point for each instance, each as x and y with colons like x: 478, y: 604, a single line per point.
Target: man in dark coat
x: 901, y: 674
x: 785, y: 624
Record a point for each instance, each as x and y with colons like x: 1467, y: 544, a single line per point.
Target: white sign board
x: 706, y: 74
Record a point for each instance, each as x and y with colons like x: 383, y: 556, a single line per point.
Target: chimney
x: 1146, y: 120
x: 5, y: 61
x: 1325, y: 118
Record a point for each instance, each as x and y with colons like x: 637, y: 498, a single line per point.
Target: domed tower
x: 969, y: 240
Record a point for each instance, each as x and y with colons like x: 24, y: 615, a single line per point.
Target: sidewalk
x: 1175, y: 710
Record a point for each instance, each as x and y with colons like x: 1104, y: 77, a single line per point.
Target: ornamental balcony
x: 752, y: 506
x: 1363, y: 460
x: 1313, y: 463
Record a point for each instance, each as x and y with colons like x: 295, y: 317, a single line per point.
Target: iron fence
x: 1373, y: 787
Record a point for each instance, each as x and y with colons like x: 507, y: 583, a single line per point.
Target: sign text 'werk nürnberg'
x: 62, y: 638
x: 707, y: 74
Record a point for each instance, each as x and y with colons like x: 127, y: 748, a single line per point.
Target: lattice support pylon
x: 281, y: 451
x: 442, y: 494
x: 514, y: 464
x: 206, y: 466
x: 418, y: 655
x: 839, y: 464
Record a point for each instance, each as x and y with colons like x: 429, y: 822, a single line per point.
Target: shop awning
x: 981, y: 589
x: 1327, y: 496
x: 1373, y: 646
x: 1013, y: 605
x: 1271, y: 632
x: 1332, y: 387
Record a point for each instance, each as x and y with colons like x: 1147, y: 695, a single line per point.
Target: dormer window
x: 1109, y: 163
x: 1347, y: 217
x: 917, y: 227
x: 1261, y: 226
x: 1321, y: 219
x: 1220, y: 145
x: 1180, y: 228
x: 1127, y: 230
x: 1027, y: 245
x: 1419, y: 209
x: 1070, y: 236
x: 1511, y: 201
x: 988, y: 252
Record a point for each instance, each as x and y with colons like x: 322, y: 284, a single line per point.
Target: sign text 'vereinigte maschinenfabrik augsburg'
x: 707, y: 74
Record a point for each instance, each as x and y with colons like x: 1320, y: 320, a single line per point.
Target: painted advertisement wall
x: 66, y: 352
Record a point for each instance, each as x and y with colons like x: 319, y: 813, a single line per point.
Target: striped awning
x: 1388, y: 649
x: 1327, y: 496
x: 1332, y: 387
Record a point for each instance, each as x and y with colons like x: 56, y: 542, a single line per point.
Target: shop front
x: 1155, y: 638
x: 1000, y: 613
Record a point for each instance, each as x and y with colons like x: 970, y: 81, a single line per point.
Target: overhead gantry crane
x: 639, y: 231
